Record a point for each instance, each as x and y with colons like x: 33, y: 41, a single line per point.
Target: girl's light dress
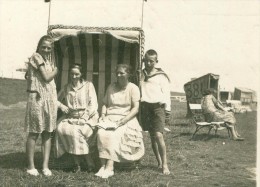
x: 75, y: 131
x: 41, y: 109
x: 124, y: 144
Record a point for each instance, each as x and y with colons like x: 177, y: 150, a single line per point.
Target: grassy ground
x: 204, y: 161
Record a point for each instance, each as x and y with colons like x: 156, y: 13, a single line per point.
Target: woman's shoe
x: 46, y: 172
x: 76, y: 169
x: 107, y: 174
x: 239, y: 139
x: 100, y: 172
x: 33, y: 172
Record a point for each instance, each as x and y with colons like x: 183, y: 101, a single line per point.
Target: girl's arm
x: 135, y: 98
x: 47, y: 76
x: 134, y: 110
x: 103, y: 112
x: 217, y: 104
x: 93, y: 103
x: 61, y: 97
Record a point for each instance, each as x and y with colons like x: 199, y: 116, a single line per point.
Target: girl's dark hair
x: 43, y: 38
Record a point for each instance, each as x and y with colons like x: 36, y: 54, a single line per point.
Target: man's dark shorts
x: 152, y: 117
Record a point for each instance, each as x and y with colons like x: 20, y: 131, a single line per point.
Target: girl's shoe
x: 107, y: 174
x: 47, y: 172
x: 33, y: 172
x: 100, y: 172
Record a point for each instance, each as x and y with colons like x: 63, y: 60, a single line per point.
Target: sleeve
x: 165, y: 86
x: 106, y: 97
x: 93, y: 97
x: 217, y: 104
x: 36, y: 60
x: 135, y: 93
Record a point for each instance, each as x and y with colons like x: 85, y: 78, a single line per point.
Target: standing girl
x: 41, y: 110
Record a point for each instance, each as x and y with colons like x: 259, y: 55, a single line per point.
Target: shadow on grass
x: 17, y: 160
x: 182, y: 124
x: 207, y: 137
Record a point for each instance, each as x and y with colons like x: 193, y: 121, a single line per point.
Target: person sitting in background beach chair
x: 216, y: 112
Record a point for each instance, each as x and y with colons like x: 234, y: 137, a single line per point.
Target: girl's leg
x: 46, y: 148
x: 77, y: 163
x: 102, y: 169
x: 30, y: 147
x: 90, y: 163
x: 109, y: 165
x: 155, y: 150
x: 109, y: 169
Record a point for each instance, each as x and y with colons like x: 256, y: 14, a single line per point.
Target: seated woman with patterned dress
x: 120, y: 138
x: 215, y: 111
x: 75, y: 128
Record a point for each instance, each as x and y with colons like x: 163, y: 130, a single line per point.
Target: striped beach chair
x: 98, y: 50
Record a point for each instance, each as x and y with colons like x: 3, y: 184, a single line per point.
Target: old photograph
x: 127, y: 93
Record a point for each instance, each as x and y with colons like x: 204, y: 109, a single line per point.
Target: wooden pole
x: 49, y: 17
x: 142, y: 14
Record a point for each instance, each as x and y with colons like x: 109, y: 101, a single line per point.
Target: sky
x: 192, y: 37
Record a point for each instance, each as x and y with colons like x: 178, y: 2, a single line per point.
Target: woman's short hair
x: 127, y: 68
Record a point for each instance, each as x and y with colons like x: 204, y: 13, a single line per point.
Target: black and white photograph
x: 145, y: 93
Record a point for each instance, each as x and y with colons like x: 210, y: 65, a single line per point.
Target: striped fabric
x: 98, y: 53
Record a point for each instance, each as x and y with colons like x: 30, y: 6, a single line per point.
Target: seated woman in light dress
x: 215, y: 111
x: 120, y: 107
x: 75, y: 129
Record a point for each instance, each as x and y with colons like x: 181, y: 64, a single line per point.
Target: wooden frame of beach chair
x: 199, y: 119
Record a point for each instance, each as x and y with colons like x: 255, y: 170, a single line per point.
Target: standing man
x: 155, y: 106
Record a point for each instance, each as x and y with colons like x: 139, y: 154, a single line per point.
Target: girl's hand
x: 121, y: 122
x: 55, y: 70
x: 102, y: 118
x: 65, y: 109
x: 37, y: 56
